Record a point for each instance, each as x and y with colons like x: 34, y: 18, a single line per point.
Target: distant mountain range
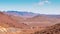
x: 20, y: 13
x: 29, y: 14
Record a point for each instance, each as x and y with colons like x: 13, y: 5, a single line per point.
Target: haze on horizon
x: 36, y: 6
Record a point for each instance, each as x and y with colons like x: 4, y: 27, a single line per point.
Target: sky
x: 35, y: 6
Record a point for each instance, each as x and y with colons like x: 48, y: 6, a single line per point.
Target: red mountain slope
x: 8, y: 21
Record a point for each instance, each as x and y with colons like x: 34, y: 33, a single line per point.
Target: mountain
x: 8, y: 21
x: 21, y: 13
x: 29, y: 14
x: 10, y: 25
x: 43, y: 20
x: 52, y: 16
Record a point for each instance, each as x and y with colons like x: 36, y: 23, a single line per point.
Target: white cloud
x: 43, y: 2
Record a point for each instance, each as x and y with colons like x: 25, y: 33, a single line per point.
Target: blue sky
x: 36, y: 6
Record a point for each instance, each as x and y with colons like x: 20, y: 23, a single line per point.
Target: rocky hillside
x: 8, y: 21
x: 55, y: 29
x: 10, y: 25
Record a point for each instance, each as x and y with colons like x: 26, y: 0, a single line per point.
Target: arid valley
x: 14, y: 23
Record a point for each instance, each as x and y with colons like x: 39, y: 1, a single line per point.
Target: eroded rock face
x: 55, y: 29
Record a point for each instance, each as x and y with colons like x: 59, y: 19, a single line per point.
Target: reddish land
x: 10, y: 24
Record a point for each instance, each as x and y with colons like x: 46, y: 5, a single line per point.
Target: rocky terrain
x: 10, y: 24
x: 55, y: 29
